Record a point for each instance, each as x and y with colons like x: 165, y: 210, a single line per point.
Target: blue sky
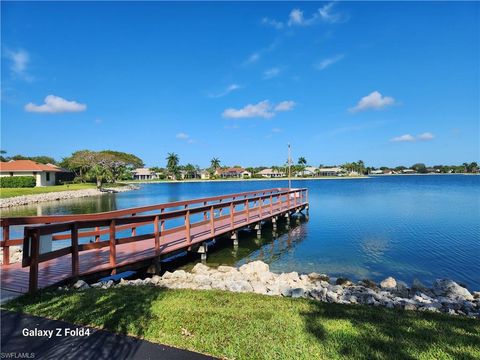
x: 389, y: 83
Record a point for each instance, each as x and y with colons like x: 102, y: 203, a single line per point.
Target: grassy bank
x: 250, y: 326
x: 11, y: 192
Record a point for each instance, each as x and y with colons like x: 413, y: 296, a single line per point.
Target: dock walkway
x: 125, y: 237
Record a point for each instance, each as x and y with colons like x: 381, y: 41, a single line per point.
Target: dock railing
x: 219, y: 215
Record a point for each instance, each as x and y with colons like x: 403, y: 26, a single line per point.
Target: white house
x: 308, y: 171
x: 270, y: 173
x: 376, y: 172
x: 44, y: 174
x: 233, y: 172
x: 144, y: 174
x: 331, y: 171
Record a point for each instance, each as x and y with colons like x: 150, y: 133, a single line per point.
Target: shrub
x: 17, y: 182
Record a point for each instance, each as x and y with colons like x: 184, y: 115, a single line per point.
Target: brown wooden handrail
x: 52, y: 219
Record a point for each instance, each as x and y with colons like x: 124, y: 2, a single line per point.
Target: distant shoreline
x: 238, y: 180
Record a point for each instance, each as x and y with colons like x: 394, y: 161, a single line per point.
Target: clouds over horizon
x: 54, y: 105
x: 184, y: 137
x: 230, y: 88
x: 374, y: 101
x: 263, y: 109
x: 427, y: 136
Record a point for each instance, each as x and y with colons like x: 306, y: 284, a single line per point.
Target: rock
x: 343, y: 281
x: 297, y: 293
x: 200, y: 269
x: 318, y: 277
x: 202, y: 280
x: 476, y: 294
x: 226, y: 269
x: 258, y: 287
x: 331, y: 297
x: 418, y: 286
x: 96, y: 285
x: 388, y: 283
x: 80, y: 285
x: 451, y: 289
x: 155, y: 279
x: 368, y: 283
x: 239, y: 286
x: 167, y: 275
x: 179, y: 274
x: 410, y: 306
x: 254, y: 267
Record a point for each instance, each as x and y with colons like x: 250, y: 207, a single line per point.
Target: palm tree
x: 302, y: 161
x: 215, y: 163
x: 361, y: 167
x: 172, y: 164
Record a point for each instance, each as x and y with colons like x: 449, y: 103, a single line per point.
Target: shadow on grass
x: 123, y: 312
x: 379, y: 333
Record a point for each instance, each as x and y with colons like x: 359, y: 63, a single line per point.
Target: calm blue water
x: 423, y: 227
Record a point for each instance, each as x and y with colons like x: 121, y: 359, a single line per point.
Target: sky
x: 390, y: 83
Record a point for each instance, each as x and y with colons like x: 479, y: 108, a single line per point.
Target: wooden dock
x: 106, y: 241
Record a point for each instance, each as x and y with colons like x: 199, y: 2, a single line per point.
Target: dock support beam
x: 202, y: 250
x: 258, y: 227
x: 234, y: 237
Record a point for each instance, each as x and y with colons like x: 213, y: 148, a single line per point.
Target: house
x: 376, y: 172
x: 233, y: 172
x: 270, y: 173
x: 331, y: 171
x: 408, y: 171
x: 205, y: 174
x: 308, y: 171
x: 144, y: 174
x: 432, y: 170
x: 44, y: 174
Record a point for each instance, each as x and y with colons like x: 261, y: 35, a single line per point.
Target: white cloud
x: 426, y: 136
x: 19, y: 61
x: 327, y: 15
x: 263, y: 109
x: 296, y: 17
x: 254, y: 57
x: 271, y: 73
x: 285, y: 106
x: 409, y: 138
x: 403, y: 138
x: 56, y: 104
x: 329, y: 61
x: 226, y: 91
x: 374, y: 100
x: 273, y: 23
x: 185, y: 137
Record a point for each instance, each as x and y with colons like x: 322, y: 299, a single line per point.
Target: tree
x: 190, y: 171
x: 215, y: 163
x: 419, y: 167
x: 302, y: 161
x: 2, y: 158
x: 172, y: 164
x: 472, y: 167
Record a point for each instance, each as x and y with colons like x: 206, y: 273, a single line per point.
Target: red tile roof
x: 27, y: 165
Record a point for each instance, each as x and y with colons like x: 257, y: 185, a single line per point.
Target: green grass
x: 11, y: 192
x: 251, y: 326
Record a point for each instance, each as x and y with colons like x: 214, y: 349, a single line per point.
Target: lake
x: 408, y: 227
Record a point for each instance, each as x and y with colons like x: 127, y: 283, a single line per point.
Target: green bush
x: 17, y: 182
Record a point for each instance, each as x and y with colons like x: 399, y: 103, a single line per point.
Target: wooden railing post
x: 113, y: 250
x: 247, y: 207
x: 134, y: 229
x: 97, y: 237
x: 187, y: 227
x: 220, y: 211
x: 6, y: 248
x: 34, y: 248
x: 232, y: 208
x: 212, y: 221
x: 288, y: 199
x: 75, y: 258
x: 205, y: 213
x: 271, y: 204
x: 295, y: 199
x: 157, y: 236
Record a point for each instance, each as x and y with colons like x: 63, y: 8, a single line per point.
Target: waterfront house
x: 144, y: 174
x: 233, y: 172
x: 331, y: 171
x: 44, y: 174
x: 376, y: 172
x: 307, y: 171
x: 408, y: 171
x: 205, y: 174
x: 270, y: 173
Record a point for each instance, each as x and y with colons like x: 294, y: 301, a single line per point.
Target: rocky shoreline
x: 59, y: 195
x: 446, y: 296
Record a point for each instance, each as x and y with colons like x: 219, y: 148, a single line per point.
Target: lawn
x: 251, y: 326
x: 11, y: 192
